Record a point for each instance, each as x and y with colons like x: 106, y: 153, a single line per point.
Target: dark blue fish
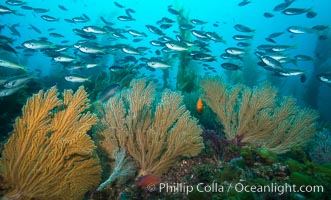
x: 320, y: 27
x: 243, y: 28
x: 115, y: 68
x: 274, y: 35
x: 137, y: 40
x: 2, y: 27
x: 129, y: 11
x: 13, y: 29
x: 311, y: 14
x: 108, y: 92
x: 154, y: 30
x: 49, y: 18
x: 130, y: 58
x: 119, y: 35
x: 62, y: 8
x: 325, y: 78
x: 283, y: 5
x: 106, y: 22
x: 230, y: 66
x: 323, y: 37
x: 57, y: 35
x: 270, y: 40
x: 156, y: 43
x: 242, y: 37
x: 81, y: 19
x: 243, y: 3
x: 83, y: 34
x: 243, y: 44
x: 118, y: 5
x: 86, y: 17
x: 165, y: 20
x: 303, y: 78
x: 35, y: 29
x: 268, y: 15
x: 40, y: 10
x: 70, y: 21
x: 15, y: 2
x: 165, y: 26
x: 198, y: 22
x: 27, y: 8
x: 230, y: 56
x: 295, y: 11
x: 7, y: 47
x: 173, y: 11
x: 125, y: 18
x: 186, y: 26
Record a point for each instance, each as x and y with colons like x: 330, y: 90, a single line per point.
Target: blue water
x: 225, y: 13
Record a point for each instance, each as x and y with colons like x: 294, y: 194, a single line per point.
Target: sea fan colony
x: 49, y: 155
x: 155, y: 133
x: 49, y: 152
x: 256, y: 117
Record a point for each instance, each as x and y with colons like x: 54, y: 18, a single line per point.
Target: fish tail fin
x: 24, y: 68
x: 24, y: 86
x: 89, y: 78
x: 214, y: 58
x: 15, y: 12
x: 52, y: 46
x: 36, y: 74
x: 294, y: 46
x: 109, y: 52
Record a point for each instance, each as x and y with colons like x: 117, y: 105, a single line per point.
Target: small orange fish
x: 147, y: 181
x: 199, y: 106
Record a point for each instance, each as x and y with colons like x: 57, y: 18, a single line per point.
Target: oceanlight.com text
x: 237, y: 187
